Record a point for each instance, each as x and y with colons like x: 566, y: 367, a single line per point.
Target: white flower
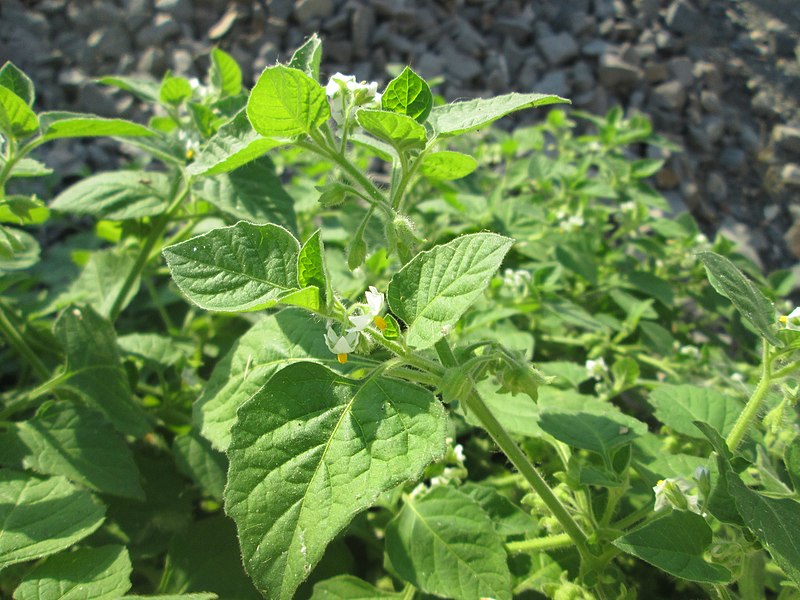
x: 374, y: 307
x: 458, y: 450
x: 674, y: 492
x: 341, y: 344
x: 596, y: 368
x: 691, y: 351
x: 344, y: 91
x: 573, y: 223
x: 738, y: 377
x: 338, y: 83
x: 629, y: 206
x: 792, y: 320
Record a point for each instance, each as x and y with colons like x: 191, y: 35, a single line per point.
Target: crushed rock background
x: 721, y: 78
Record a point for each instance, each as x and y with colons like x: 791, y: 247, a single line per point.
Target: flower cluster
x: 344, y: 91
x: 596, y: 368
x: 674, y: 492
x: 344, y: 344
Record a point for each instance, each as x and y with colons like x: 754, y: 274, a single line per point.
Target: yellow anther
x: 342, y: 358
x: 380, y: 323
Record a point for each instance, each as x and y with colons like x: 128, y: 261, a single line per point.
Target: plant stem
x: 754, y: 404
x: 16, y: 340
x: 551, y: 542
x: 473, y: 402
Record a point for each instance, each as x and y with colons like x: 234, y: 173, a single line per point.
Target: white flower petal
x: 374, y: 300
x: 360, y: 322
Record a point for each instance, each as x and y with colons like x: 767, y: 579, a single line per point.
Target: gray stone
x: 109, y: 42
x: 750, y: 138
x: 461, y: 66
x: 790, y: 175
x: 183, y: 62
x: 339, y: 51
x: 554, y: 82
x: 467, y: 39
x: 497, y: 68
x: 670, y: 95
x: 582, y: 77
x: 595, y: 47
x: 710, y: 101
x: 655, y: 72
x: 362, y: 24
x: 742, y: 237
x: 529, y: 73
x: 733, y: 159
x: 305, y: 10
x: 515, y: 29
x: 716, y: 186
x: 515, y: 55
x: 96, y: 100
x: 137, y: 13
x: 614, y: 73
x: 430, y: 65
x: 223, y: 25
x: 763, y: 103
x: 152, y: 61
x: 787, y: 138
x: 681, y: 68
x: 648, y: 9
x: 558, y: 49
x: 180, y: 9
x: 682, y: 17
x: 163, y: 28
x: 282, y: 9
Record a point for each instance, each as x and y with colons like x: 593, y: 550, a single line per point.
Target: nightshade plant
x: 366, y: 291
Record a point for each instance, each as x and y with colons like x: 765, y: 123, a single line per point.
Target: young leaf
x: 174, y: 90
x: 436, y: 287
x: 446, y: 545
x: 308, y: 56
x: 679, y: 406
x: 238, y: 268
x: 447, y: 165
x: 87, y: 573
x: 117, y: 195
x: 347, y: 587
x: 402, y: 132
x: 311, y: 268
x: 57, y: 125
x: 675, y: 543
x: 13, y: 78
x: 460, y: 117
x: 286, y: 102
x: 730, y: 282
x: 42, y: 516
x: 78, y: 443
x: 408, y: 94
x: 235, y: 144
x: 225, y: 74
x: 345, y: 442
x: 252, y: 192
x: 94, y: 370
x: 16, y: 117
x: 195, y: 458
x: 272, y: 343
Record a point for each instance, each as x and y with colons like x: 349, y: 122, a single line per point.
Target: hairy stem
x: 551, y: 542
x: 753, y: 405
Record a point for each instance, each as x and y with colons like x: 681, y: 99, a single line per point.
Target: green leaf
x: 597, y: 433
x: 196, y: 596
x: 117, y: 195
x: 345, y: 443
x: 174, y: 90
x: 28, y: 167
x: 195, y: 457
x: 446, y: 545
x: 235, y: 144
x: 308, y: 56
x: 86, y: 574
x: 518, y: 414
x: 225, y: 74
x: 460, y: 117
x: 152, y: 347
x: 13, y: 78
x: 94, y: 370
x: 791, y: 458
x: 774, y: 522
x: 507, y: 517
x: 447, y: 165
x: 675, y: 543
x: 402, y: 132
x: 77, y: 443
x: 408, y: 94
x: 145, y: 89
x: 274, y: 342
x: 18, y: 249
x: 23, y: 210
x: 311, y: 267
x: 347, y: 587
x: 42, y: 516
x: 16, y: 117
x: 286, y: 102
x: 238, y: 268
x: 730, y: 282
x: 57, y: 125
x: 252, y: 192
x: 433, y: 290
x: 678, y: 406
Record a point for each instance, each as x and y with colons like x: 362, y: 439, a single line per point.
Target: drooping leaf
x: 447, y: 165
x: 117, y: 195
x: 402, y: 132
x: 678, y: 406
x: 16, y: 117
x: 344, y: 442
x: 286, y: 102
x: 730, y: 282
x: 195, y: 457
x: 675, y: 543
x: 408, y: 94
x: 308, y: 56
x: 235, y: 144
x: 57, y: 125
x: 13, y: 78
x: 86, y: 574
x: 460, y: 117
x: 252, y: 192
x: 78, y: 443
x: 94, y: 370
x: 347, y: 587
x: 225, y: 74
x: 238, y: 268
x: 42, y: 516
x: 446, y: 545
x: 433, y: 290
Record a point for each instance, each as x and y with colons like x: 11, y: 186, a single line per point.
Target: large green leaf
x: 42, y: 516
x: 13, y: 78
x: 254, y: 193
x: 678, y: 406
x: 117, y: 195
x: 195, y: 457
x: 507, y: 517
x: 730, y: 282
x: 56, y: 125
x: 446, y: 545
x: 225, y: 74
x: 447, y: 165
x: 235, y: 144
x: 436, y: 287
x: 675, y: 543
x: 274, y: 342
x: 86, y: 574
x: 460, y: 117
x: 94, y: 371
x: 237, y: 268
x: 402, y: 132
x: 16, y: 117
x: 78, y: 443
x: 408, y: 94
x: 286, y: 102
x: 312, y: 449
x: 308, y: 57
x: 347, y: 587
